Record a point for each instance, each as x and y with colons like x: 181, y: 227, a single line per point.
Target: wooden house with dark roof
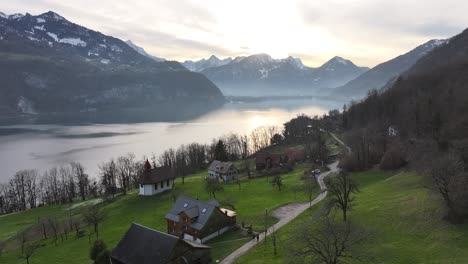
x: 156, y: 180
x: 225, y: 171
x: 143, y: 245
x: 265, y: 160
x: 199, y: 221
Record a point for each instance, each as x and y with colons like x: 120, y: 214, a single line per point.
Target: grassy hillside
x: 404, y: 218
x: 251, y: 200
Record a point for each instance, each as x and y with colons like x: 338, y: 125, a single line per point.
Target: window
x: 162, y: 184
x: 204, y: 210
x: 167, y: 183
x: 185, y: 205
x: 155, y: 186
x: 141, y: 185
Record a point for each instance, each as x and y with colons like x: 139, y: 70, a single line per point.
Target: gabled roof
x: 261, y: 157
x: 220, y: 167
x: 198, y: 210
x: 143, y: 245
x: 156, y: 175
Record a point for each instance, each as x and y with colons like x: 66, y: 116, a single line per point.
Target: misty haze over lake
x: 44, y: 146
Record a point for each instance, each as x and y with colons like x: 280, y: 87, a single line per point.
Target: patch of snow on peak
x: 341, y: 60
x: 104, y: 61
x: 41, y: 28
x: 15, y: 16
x: 3, y: 15
x: 40, y: 20
x: 25, y: 106
x: 73, y: 41
x: 52, y: 35
x: 70, y: 41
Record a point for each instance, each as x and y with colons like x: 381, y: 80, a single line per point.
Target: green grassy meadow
x: 404, y: 219
x: 250, y: 201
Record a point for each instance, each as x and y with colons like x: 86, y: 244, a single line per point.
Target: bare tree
x: 447, y: 174
x: 310, y: 185
x: 331, y: 243
x: 212, y: 186
x: 81, y: 178
x: 54, y: 226
x: 341, y: 188
x: 93, y: 215
x: 28, y: 252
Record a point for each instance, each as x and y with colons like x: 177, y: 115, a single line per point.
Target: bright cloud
x: 365, y: 31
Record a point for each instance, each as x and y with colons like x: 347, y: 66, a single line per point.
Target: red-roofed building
x: 265, y: 160
x: 295, y: 154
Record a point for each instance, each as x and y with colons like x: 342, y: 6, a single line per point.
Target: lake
x: 42, y: 146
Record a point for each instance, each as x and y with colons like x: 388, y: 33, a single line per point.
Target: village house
x: 145, y: 245
x: 266, y: 160
x: 156, y: 180
x: 199, y: 221
x: 393, y: 131
x: 225, y: 171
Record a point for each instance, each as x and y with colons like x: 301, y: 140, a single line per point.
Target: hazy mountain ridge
x: 49, y: 64
x: 284, y: 76
x: 200, y: 65
x: 428, y: 100
x: 380, y: 76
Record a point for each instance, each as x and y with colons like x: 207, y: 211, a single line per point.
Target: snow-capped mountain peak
x: 200, y: 65
x: 142, y: 51
x: 52, y: 16
x: 297, y: 62
x: 3, y: 15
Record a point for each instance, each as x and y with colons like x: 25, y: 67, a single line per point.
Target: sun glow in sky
x: 366, y: 31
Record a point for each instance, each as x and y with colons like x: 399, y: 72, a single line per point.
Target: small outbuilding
x: 156, y: 180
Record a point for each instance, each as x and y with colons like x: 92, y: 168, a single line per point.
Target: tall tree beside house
x: 81, y: 179
x: 93, y: 216
x: 109, y: 177
x: 341, y: 189
x: 213, y: 186
x: 220, y: 152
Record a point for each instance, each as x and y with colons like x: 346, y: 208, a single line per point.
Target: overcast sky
x: 367, y: 32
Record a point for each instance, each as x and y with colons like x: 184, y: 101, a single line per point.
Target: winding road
x: 286, y: 214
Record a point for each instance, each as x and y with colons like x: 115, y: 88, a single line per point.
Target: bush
x: 394, y: 158
x: 99, y: 253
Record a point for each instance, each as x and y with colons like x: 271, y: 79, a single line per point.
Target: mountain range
x: 51, y: 65
x: 384, y: 74
x: 260, y: 74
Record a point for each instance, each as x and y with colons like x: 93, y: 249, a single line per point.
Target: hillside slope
x: 51, y: 65
x: 380, y: 75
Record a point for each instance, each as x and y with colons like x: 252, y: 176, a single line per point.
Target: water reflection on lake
x: 44, y: 146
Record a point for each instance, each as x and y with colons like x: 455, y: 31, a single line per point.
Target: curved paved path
x: 285, y: 214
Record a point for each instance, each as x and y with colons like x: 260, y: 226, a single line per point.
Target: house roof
x: 220, y: 167
x: 143, y: 245
x: 156, y: 175
x: 261, y: 157
x: 198, y: 210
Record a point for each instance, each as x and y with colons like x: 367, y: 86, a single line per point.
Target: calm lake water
x: 44, y: 146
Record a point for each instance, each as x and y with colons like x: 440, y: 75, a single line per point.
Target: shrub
x: 394, y: 158
x: 99, y: 253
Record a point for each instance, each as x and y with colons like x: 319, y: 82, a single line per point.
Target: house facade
x: 225, y: 171
x: 199, y: 221
x: 266, y: 160
x: 145, y: 245
x: 156, y: 180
